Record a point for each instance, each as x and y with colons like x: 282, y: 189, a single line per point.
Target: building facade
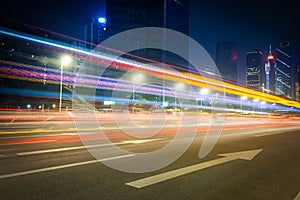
x: 253, y: 69
x: 226, y: 60
x: 129, y: 14
x: 286, y: 75
x: 269, y: 73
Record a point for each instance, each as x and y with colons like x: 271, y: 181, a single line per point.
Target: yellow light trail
x: 191, y: 79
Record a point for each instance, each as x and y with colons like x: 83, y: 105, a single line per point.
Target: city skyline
x: 251, y: 25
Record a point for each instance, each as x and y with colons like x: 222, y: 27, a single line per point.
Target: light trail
x: 33, y: 73
x: 192, y: 79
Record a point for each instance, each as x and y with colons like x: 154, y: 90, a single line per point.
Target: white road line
x: 84, y: 147
x: 11, y: 121
x: 298, y: 196
x: 70, y: 114
x: 48, y: 119
x: 276, y: 131
x: 61, y: 167
x: 266, y: 134
x: 61, y: 149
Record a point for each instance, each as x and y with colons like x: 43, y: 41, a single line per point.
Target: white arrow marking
x: 12, y: 121
x: 245, y: 155
x: 298, y: 196
x: 48, y: 119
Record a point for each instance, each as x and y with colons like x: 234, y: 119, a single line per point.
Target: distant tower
x: 129, y: 14
x: 286, y: 78
x: 270, y: 66
x: 226, y: 60
x: 253, y: 69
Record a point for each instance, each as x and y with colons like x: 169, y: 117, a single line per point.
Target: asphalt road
x: 48, y: 161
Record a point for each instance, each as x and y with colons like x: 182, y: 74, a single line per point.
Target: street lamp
x: 243, y: 98
x: 261, y: 105
x: 136, y: 79
x: 255, y: 101
x: 178, y: 86
x: 64, y: 61
x: 203, y: 92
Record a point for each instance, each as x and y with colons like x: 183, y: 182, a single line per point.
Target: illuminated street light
x: 203, y: 92
x: 261, y: 105
x: 243, y: 98
x: 255, y: 101
x: 64, y: 61
x: 137, y: 78
x: 178, y: 86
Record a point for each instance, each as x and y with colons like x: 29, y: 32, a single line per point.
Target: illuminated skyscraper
x: 95, y: 32
x: 253, y: 69
x: 269, y: 78
x: 285, y: 73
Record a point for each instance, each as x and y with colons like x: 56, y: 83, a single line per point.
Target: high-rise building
x: 253, y: 69
x: 129, y: 14
x: 269, y: 78
x: 95, y: 32
x: 286, y: 70
x: 226, y: 60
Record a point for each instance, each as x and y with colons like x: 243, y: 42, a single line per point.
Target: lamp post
x: 136, y: 79
x: 261, y: 106
x: 255, y: 101
x: 242, y: 99
x: 178, y: 86
x: 203, y: 92
x: 64, y: 61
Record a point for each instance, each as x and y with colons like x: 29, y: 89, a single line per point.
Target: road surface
x: 45, y: 159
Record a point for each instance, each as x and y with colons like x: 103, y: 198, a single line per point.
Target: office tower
x: 129, y: 14
x: 253, y: 69
x: 286, y: 70
x: 269, y: 79
x: 226, y: 60
x: 95, y: 32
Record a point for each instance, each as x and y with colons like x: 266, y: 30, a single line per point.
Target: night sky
x: 251, y: 24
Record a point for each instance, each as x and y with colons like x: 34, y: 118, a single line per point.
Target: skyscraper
x: 286, y: 70
x: 226, y: 60
x: 269, y: 73
x: 129, y: 14
x: 95, y: 32
x: 253, y: 69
